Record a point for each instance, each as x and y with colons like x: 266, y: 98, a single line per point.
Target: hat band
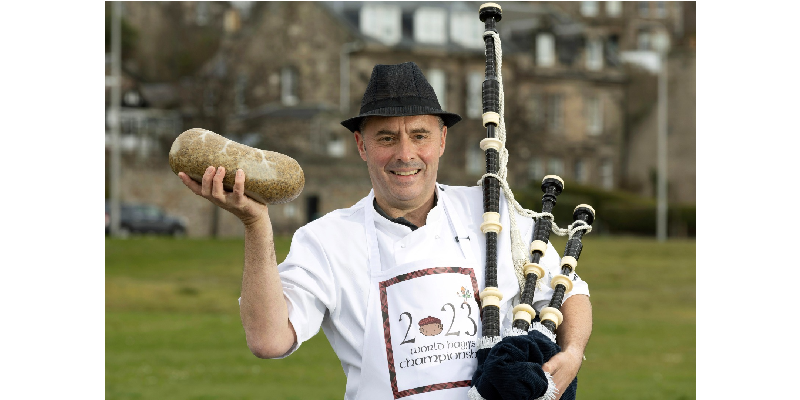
x: 400, y: 102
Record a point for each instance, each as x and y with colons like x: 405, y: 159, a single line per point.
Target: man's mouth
x: 406, y: 173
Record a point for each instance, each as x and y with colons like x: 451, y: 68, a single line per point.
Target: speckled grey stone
x: 270, y: 177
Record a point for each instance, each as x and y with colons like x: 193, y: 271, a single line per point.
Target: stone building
x: 285, y: 73
x: 629, y: 32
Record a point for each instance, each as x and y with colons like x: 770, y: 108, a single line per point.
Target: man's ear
x: 444, y: 137
x: 360, y: 144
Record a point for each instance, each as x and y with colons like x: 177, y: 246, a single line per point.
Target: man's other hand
x: 563, y: 367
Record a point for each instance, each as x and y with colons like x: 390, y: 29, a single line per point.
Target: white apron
x: 423, y: 319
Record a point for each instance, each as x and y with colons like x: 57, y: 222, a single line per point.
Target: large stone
x: 270, y: 177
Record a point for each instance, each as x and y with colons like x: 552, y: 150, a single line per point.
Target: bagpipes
x: 510, y: 365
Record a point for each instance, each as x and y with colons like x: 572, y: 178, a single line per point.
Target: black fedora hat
x: 399, y: 90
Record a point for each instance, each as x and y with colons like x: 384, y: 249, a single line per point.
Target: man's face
x: 402, y: 155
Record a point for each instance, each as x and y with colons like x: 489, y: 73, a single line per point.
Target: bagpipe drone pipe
x: 510, y: 363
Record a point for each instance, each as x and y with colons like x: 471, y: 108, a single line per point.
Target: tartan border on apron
x: 388, y: 337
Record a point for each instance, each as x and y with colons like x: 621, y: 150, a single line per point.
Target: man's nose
x: 405, y: 149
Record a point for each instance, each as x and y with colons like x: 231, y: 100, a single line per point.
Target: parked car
x: 145, y: 218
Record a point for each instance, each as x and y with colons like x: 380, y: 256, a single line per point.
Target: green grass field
x: 173, y: 329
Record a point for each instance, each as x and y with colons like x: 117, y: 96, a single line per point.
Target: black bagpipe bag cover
x: 512, y: 369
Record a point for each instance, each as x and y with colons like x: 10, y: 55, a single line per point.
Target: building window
x: 312, y: 208
x: 429, y: 25
x: 437, y: 79
x: 545, y: 50
x: 466, y: 30
x: 555, y: 112
x: 580, y: 171
x: 475, y: 158
x: 555, y: 166
x: 535, y: 170
x: 131, y: 98
x: 612, y: 50
x: 661, y: 9
x: 381, y: 21
x: 594, y: 116
x: 594, y: 54
x: 613, y: 8
x: 289, y: 210
x: 643, y: 40
x: 534, y: 108
x: 589, y: 8
x: 336, y: 146
x: 644, y: 9
x: 474, y: 88
x: 607, y: 174
x: 289, y: 85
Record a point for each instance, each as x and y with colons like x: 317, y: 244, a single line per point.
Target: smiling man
x: 402, y: 160
x: 373, y: 275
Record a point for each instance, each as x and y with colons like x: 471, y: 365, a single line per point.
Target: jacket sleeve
x: 308, y: 288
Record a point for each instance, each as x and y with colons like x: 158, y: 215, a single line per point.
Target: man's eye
x: 420, y: 137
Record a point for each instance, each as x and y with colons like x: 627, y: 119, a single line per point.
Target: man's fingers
x: 191, y: 184
x: 207, y: 177
x: 217, y: 190
x: 238, y: 185
x: 548, y: 367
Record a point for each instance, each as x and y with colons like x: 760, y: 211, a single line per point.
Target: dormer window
x: 381, y: 21
x: 644, y: 9
x: 466, y: 30
x: 661, y: 9
x: 613, y: 8
x: 545, y: 49
x: 589, y: 8
x: 429, y: 25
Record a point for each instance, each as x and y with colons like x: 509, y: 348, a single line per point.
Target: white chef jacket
x: 325, y: 277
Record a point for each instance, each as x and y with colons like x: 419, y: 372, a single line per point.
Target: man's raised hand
x: 236, y: 202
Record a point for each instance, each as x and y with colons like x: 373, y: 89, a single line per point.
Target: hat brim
x: 449, y: 119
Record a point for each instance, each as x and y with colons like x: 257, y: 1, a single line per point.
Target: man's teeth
x: 406, y: 173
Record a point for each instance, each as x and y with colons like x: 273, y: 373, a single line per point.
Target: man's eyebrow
x: 390, y: 132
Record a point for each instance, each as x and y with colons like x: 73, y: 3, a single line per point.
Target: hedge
x: 616, y: 212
